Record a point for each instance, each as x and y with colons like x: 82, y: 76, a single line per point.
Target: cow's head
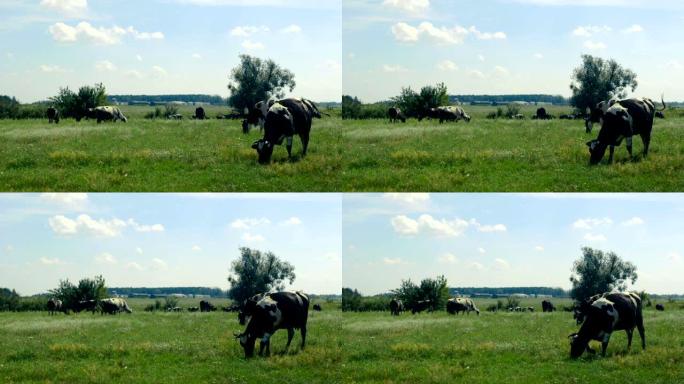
x: 247, y: 342
x: 264, y: 149
x: 466, y: 117
x: 597, y: 150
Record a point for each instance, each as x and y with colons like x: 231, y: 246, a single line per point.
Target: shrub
x: 76, y: 105
x: 170, y: 302
x: 9, y: 107
x: 87, y: 289
x: 157, y: 113
x: 170, y: 109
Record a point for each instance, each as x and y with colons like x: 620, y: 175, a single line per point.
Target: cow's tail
x: 316, y: 111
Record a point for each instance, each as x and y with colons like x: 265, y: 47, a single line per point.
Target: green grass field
x: 503, y: 348
x: 503, y: 156
x: 160, y: 348
x: 160, y: 155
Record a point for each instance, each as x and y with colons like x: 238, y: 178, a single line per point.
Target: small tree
x: 351, y: 299
x: 170, y: 302
x: 256, y: 272
x: 9, y: 300
x: 351, y: 107
x: 597, y: 80
x: 9, y: 107
x: 415, y: 104
x: 87, y: 289
x: 435, y: 290
x: 599, y: 272
x: 255, y: 79
x: 76, y: 105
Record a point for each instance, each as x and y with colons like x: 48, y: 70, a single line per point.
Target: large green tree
x: 87, y: 289
x: 255, y: 79
x: 76, y: 104
x: 257, y: 272
x: 598, y: 272
x: 597, y: 79
x: 435, y: 290
x: 415, y: 104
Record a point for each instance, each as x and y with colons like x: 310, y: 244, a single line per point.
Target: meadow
x: 504, y: 347
x: 161, y: 155
x: 157, y: 347
x: 503, y: 155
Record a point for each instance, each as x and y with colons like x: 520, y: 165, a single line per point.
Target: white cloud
x: 67, y: 7
x: 487, y: 35
x: 248, y: 237
x: 482, y: 251
x: 105, y: 258
x: 538, y: 56
x: 252, y: 46
x: 97, y: 35
x: 134, y: 74
x: 391, y: 261
x: 249, y: 223
x: 481, y: 57
x: 51, y: 68
x: 590, y: 30
x: 248, y: 30
x: 410, y: 6
x: 196, y: 248
x: 591, y: 223
x: 501, y: 71
x: 197, y: 56
x: 393, y: 68
x: 71, y: 200
x: 409, y: 198
x: 105, y: 65
x: 63, y: 225
x: 476, y: 74
x: 145, y: 228
x: 476, y: 266
x: 447, y: 65
x: 539, y: 248
x: 291, y: 221
x: 635, y: 28
x: 594, y: 237
x: 138, y: 57
x: 159, y: 71
x: 488, y: 228
x: 442, y: 35
x: 501, y: 264
x: 134, y: 265
x: 159, y: 264
x: 633, y: 221
x: 49, y: 261
x: 138, y: 250
x: 447, y: 258
x: 426, y: 223
x: 594, y: 46
x: 293, y: 28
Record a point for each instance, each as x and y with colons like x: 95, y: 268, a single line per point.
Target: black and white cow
x: 86, y: 305
x: 547, y: 306
x: 542, y: 114
x: 176, y: 116
x: 199, y: 114
x: 461, y: 304
x: 421, y: 305
x: 285, y: 119
x: 193, y: 309
x: 53, y: 115
x: 54, y: 305
x: 621, y: 120
x: 396, y: 306
x: 248, y: 307
x: 445, y: 113
x: 257, y: 115
x: 395, y: 114
x: 274, y: 311
x: 580, y: 309
x: 113, y: 306
x: 613, y: 312
x: 106, y: 113
x: 206, y: 306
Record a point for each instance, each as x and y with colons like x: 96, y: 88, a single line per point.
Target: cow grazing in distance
x: 395, y: 114
x: 660, y: 307
x: 193, y: 309
x: 530, y: 309
x: 461, y: 304
x: 285, y: 119
x: 54, y: 305
x: 519, y: 116
x: 612, y: 312
x: 445, y: 113
x: 53, y: 115
x: 396, y: 307
x: 622, y: 120
x: 542, y: 114
x: 177, y: 116
x: 659, y: 115
x: 106, y: 113
x: 113, y: 306
x: 174, y: 309
x: 421, y: 305
x: 274, y: 311
x: 567, y: 117
x: 206, y: 306
x: 547, y: 306
x: 317, y: 307
x: 199, y: 114
x: 232, y: 308
x: 86, y: 305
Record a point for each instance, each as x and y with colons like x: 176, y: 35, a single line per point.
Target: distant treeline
x: 507, y: 291
x: 506, y: 99
x: 164, y: 99
x: 190, y: 291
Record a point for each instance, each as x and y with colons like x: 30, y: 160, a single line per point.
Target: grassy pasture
x: 161, y: 155
x: 160, y: 347
x: 504, y: 156
x: 503, y: 347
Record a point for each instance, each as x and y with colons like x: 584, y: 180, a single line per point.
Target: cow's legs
x: 303, y: 331
x: 289, y: 146
x: 612, y: 150
x: 629, y: 146
x: 265, y: 343
x: 305, y: 141
x: 640, y: 328
x: 630, y: 333
x: 646, y: 138
x: 290, y: 335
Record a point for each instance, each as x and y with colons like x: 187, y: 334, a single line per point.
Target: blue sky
x: 165, y: 239
x: 165, y: 46
x: 507, y: 46
x: 501, y: 240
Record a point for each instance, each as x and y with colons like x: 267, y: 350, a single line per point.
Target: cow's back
x: 642, y: 113
x: 300, y: 114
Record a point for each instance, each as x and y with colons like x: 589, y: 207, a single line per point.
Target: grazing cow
x: 519, y: 116
x: 317, y: 307
x: 52, y: 115
x: 612, y: 312
x: 232, y: 308
x: 659, y: 115
x: 580, y: 309
x: 396, y: 307
x: 206, y: 306
x: 460, y: 304
x: 177, y: 116
x: 248, y: 307
x: 395, y: 114
x: 547, y: 306
x: 622, y: 120
x: 257, y: 115
x: 660, y: 307
x: 54, y: 305
x: 567, y: 117
x: 542, y: 115
x: 421, y: 305
x: 193, y: 309
x: 445, y: 113
x: 86, y: 305
x: 113, y: 306
x: 530, y: 309
x: 174, y: 309
x: 285, y: 119
x: 199, y: 114
x: 279, y: 310
x: 106, y: 113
